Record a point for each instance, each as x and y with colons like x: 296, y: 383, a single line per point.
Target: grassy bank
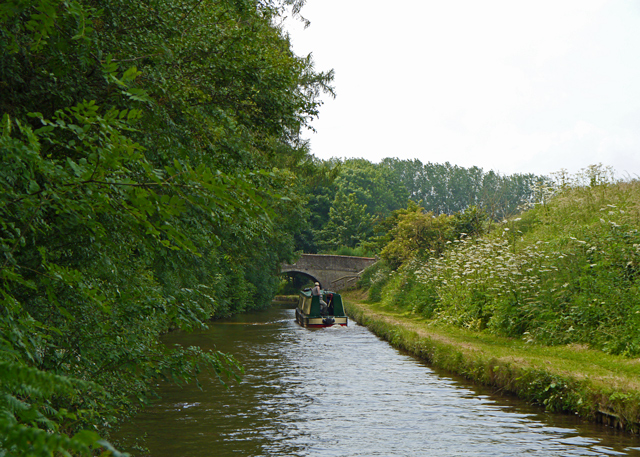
x: 572, y: 378
x: 545, y: 305
x: 285, y: 299
x: 565, y: 271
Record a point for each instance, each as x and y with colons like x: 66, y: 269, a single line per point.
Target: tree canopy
x: 388, y: 186
x: 151, y: 156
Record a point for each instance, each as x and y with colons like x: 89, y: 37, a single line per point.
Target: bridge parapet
x: 328, y: 270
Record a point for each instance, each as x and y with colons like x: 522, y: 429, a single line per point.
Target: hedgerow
x: 564, y: 271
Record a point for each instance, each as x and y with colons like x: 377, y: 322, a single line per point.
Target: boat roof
x: 307, y: 292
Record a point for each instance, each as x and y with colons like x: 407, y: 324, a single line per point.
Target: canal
x: 344, y: 392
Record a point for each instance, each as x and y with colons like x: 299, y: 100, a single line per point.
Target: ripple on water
x: 343, y: 392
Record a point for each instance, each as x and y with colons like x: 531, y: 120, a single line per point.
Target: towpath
x: 570, y: 378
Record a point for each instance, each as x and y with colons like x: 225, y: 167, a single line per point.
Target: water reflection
x: 343, y: 392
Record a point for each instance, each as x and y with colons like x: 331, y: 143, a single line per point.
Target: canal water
x: 343, y: 392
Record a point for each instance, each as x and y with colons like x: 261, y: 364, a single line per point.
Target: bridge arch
x: 333, y: 272
x: 302, y: 273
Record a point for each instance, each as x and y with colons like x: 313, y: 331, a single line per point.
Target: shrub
x: 565, y: 271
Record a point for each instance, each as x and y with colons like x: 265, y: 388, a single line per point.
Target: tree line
x: 353, y: 211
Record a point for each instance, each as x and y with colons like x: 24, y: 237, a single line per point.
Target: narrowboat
x: 308, y: 312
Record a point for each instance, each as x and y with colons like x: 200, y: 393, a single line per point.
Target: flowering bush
x: 565, y: 271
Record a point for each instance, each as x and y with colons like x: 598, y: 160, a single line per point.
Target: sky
x: 512, y: 86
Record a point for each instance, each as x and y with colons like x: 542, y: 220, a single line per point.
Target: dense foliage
x: 363, y: 195
x: 448, y: 189
x: 151, y: 162
x: 563, y: 272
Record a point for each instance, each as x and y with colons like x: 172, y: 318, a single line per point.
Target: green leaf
x: 87, y: 438
x: 6, y: 125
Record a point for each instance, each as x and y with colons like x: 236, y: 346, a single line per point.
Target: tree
x: 416, y: 233
x: 150, y: 154
x: 348, y: 224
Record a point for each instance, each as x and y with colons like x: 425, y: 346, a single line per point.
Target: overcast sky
x: 513, y: 86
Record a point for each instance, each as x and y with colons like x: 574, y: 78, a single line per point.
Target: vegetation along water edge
x: 152, y: 178
x: 601, y: 388
x: 543, y: 304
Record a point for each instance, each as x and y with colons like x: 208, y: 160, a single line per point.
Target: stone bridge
x: 333, y: 272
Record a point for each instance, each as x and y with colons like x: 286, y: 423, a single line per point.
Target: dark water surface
x: 344, y: 392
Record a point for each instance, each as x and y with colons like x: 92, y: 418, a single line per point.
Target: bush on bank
x: 563, y: 272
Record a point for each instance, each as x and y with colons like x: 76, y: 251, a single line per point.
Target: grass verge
x: 572, y: 379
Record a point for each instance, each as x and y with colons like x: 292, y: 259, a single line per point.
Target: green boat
x: 308, y: 313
